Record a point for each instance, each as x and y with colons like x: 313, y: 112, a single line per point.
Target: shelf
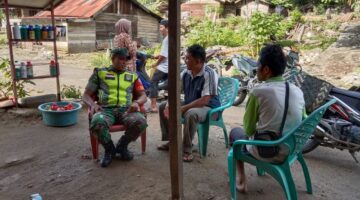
x: 36, y: 77
x: 49, y: 40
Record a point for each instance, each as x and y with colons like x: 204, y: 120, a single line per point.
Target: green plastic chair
x: 294, y: 140
x: 228, y: 90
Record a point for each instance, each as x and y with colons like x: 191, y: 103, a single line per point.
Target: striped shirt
x: 205, y: 83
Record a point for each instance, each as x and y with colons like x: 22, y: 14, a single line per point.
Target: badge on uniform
x: 109, y: 76
x: 128, y: 77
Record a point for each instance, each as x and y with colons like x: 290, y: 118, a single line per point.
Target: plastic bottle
x: 31, y: 32
x: 50, y: 32
x: 52, y: 66
x: 37, y: 32
x: 36, y: 197
x: 29, y: 69
x: 44, y: 33
x: 17, y: 72
x: 16, y: 32
x: 24, y: 32
x: 23, y: 70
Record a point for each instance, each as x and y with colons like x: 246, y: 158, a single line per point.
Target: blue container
x: 60, y: 118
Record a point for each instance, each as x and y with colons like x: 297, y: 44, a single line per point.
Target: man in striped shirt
x: 199, y: 84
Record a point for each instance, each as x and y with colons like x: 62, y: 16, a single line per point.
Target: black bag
x: 272, y: 151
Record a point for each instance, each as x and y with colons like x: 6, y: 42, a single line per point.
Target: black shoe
x: 108, y: 155
x: 122, y: 149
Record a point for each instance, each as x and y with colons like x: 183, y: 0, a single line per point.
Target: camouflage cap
x: 120, y: 52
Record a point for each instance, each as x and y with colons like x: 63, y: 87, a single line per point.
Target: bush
x: 70, y: 92
x: 100, y: 60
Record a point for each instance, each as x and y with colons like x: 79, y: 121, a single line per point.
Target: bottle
x: 16, y: 32
x: 50, y: 32
x: 17, y: 72
x: 29, y: 69
x: 37, y: 32
x: 24, y: 32
x: 23, y: 70
x: 52, y: 66
x: 44, y: 33
x: 36, y: 197
x: 31, y: 32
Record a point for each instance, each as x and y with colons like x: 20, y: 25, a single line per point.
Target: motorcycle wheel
x: 240, y: 98
x: 310, y: 145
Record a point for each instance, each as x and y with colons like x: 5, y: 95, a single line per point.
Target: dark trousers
x: 157, y: 77
x: 238, y: 134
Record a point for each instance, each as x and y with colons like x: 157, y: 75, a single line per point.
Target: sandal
x: 188, y: 157
x: 163, y: 147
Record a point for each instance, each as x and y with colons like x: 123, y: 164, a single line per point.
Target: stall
x: 32, y: 34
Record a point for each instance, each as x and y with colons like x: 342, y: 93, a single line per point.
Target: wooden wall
x: 81, y: 37
x: 148, y: 27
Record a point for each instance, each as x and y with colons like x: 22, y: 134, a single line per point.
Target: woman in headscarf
x: 123, y: 39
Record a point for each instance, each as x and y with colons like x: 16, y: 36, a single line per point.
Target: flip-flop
x: 188, y: 157
x: 163, y: 147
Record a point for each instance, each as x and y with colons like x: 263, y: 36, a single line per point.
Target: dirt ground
x: 47, y: 160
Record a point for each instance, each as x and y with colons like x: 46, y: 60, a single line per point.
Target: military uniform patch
x: 128, y: 77
x: 109, y: 76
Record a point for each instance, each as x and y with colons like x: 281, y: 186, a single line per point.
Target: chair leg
x: 260, y: 172
x: 290, y: 183
x: 94, y: 146
x: 306, y: 173
x: 281, y: 178
x: 143, y: 142
x: 225, y: 136
x: 203, y: 136
x: 232, y: 174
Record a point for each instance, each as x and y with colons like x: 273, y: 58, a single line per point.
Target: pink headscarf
x: 123, y: 26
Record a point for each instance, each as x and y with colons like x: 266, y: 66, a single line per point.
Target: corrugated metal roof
x: 84, y: 9
x: 77, y: 8
x: 36, y: 4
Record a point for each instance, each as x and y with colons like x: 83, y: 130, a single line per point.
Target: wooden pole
x: 176, y: 168
x: 11, y: 53
x: 55, y: 53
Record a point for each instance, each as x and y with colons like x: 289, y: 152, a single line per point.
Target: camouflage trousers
x: 101, y: 122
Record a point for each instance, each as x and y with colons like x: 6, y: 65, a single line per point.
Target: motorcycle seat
x: 351, y: 94
x: 351, y: 98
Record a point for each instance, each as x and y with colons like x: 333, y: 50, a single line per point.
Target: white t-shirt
x: 163, y: 66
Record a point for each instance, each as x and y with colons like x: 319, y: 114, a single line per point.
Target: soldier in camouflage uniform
x: 119, y: 95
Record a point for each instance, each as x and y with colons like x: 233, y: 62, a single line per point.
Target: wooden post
x: 55, y: 53
x: 11, y: 53
x: 176, y: 168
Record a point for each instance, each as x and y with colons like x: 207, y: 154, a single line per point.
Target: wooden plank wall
x: 81, y: 37
x: 105, y: 23
x: 148, y: 27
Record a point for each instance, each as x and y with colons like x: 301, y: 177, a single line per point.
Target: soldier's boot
x: 122, y: 148
x: 110, y: 152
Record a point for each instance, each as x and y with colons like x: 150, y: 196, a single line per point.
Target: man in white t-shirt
x: 161, y: 65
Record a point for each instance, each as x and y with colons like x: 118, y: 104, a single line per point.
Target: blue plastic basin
x: 60, y: 118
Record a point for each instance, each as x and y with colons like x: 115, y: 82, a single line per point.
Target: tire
x: 310, y: 145
x: 240, y: 98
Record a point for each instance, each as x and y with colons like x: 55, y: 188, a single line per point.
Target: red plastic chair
x: 114, y: 128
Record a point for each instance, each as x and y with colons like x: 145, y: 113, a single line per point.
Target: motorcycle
x: 340, y: 126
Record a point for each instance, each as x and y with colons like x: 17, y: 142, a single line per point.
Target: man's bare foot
x: 241, y: 186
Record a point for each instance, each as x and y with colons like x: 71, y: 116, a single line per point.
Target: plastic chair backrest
x: 228, y: 89
x: 300, y: 135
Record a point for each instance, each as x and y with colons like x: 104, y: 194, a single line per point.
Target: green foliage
x: 208, y: 33
x: 70, y: 92
x: 262, y: 26
x: 100, y: 60
x: 284, y: 3
x: 6, y: 81
x: 3, y: 39
x: 320, y: 9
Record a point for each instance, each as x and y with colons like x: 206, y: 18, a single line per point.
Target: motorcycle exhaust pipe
x: 319, y: 132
